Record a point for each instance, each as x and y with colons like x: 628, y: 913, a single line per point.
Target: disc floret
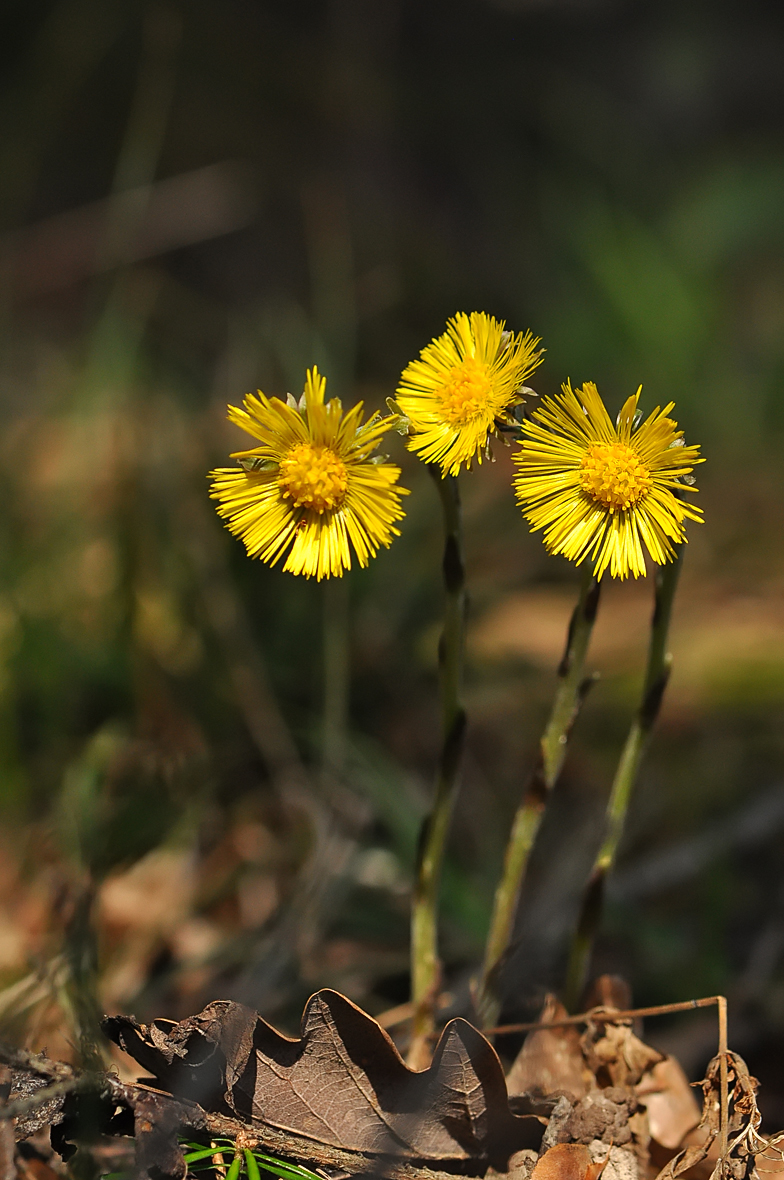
x: 614, y: 475
x: 464, y: 386
x: 313, y: 490
x: 313, y: 476
x: 605, y: 491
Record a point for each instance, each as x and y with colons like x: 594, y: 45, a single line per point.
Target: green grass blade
x: 251, y: 1167
x: 203, y: 1154
x: 284, y: 1170
x: 234, y: 1171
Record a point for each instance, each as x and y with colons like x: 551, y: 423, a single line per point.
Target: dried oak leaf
x: 342, y: 1082
x: 551, y: 1060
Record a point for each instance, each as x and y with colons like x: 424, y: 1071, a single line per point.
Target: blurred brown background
x: 231, y: 764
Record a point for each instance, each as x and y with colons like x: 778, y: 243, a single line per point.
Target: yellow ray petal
x: 602, y: 490
x: 309, y: 492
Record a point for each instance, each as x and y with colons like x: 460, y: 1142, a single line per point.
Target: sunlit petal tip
x: 311, y: 494
x: 462, y: 383
x: 605, y: 491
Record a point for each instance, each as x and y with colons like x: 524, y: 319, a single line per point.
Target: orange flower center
x: 466, y: 392
x: 613, y: 475
x: 313, y: 476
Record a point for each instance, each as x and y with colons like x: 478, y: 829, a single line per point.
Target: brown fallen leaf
x: 608, y: 991
x: 744, y: 1143
x: 615, y: 1055
x: 33, y: 1168
x: 342, y: 1082
x: 146, y: 1109
x: 672, y: 1108
x: 158, y: 1152
x: 551, y: 1060
x: 7, y: 1165
x: 568, y: 1161
x: 770, y: 1160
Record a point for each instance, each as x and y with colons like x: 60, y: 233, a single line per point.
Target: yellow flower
x: 312, y: 485
x: 465, y: 383
x: 601, y: 490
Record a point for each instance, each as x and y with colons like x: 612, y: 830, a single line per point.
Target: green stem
x: 572, y: 685
x: 656, y: 676
x: 570, y: 693
x: 425, y: 964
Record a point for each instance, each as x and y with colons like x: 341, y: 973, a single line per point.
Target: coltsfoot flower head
x: 313, y: 487
x: 602, y: 490
x: 465, y: 383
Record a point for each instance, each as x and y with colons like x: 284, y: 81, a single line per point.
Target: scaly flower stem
x: 425, y: 964
x: 570, y: 693
x: 656, y: 676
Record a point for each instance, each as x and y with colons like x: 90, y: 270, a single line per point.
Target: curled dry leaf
x: 568, y: 1161
x: 744, y: 1141
x: 551, y: 1060
x: 672, y: 1108
x: 342, y: 1082
x: 615, y: 1055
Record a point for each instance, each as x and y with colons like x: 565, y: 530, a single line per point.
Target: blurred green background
x: 232, y: 764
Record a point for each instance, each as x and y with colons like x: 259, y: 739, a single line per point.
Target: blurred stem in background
x: 118, y: 334
x: 656, y: 676
x: 110, y: 376
x: 72, y: 40
x: 80, y: 951
x: 570, y: 694
x: 332, y: 280
x: 425, y: 964
x: 336, y: 675
x: 82, y: 833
